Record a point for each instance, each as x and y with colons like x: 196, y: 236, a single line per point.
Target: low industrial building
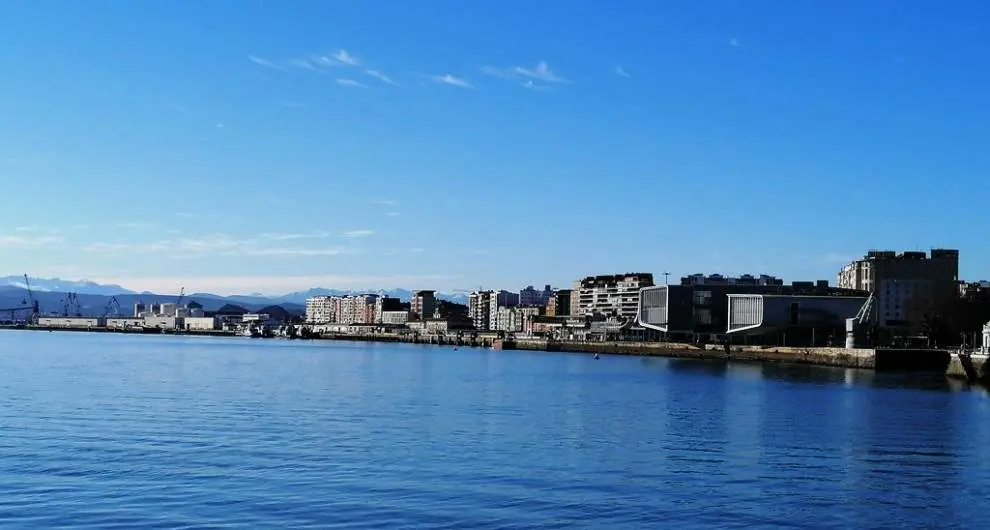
x: 200, y: 323
x: 70, y: 322
x: 794, y: 320
x: 163, y: 322
x: 124, y: 323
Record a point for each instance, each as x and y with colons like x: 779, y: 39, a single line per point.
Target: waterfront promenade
x: 952, y: 364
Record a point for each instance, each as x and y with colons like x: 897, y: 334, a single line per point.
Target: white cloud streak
x: 264, y: 62
x: 384, y: 202
x: 223, y: 245
x: 541, y: 72
x: 354, y: 234
x: 447, y: 79
x: 621, y: 72
x: 346, y: 58
x: 381, y: 77
x: 270, y: 285
x: 350, y: 82
x: 28, y: 241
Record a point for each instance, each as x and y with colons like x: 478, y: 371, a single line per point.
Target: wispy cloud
x: 620, y: 71
x: 498, y: 72
x: 11, y: 241
x: 354, y: 234
x: 734, y: 42
x: 178, y: 108
x: 393, y: 214
x: 541, y: 72
x: 346, y: 58
x: 137, y: 225
x: 221, y: 244
x: 384, y: 202
x: 381, y: 77
x: 264, y: 62
x: 187, y: 215
x: 271, y: 285
x: 350, y: 82
x: 447, y: 79
x: 529, y: 84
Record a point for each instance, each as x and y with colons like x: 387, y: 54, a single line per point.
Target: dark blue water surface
x: 111, y: 431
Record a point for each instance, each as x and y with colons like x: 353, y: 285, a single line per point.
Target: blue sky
x: 241, y: 146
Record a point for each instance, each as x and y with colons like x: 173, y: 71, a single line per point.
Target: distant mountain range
x: 95, y: 299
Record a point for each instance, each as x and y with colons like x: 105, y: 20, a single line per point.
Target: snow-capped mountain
x: 64, y: 286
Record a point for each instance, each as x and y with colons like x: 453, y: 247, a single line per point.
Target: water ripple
x: 105, y: 431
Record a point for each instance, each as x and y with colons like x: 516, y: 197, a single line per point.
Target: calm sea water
x: 110, y: 431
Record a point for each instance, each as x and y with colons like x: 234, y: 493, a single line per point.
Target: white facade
x: 395, y: 317
x: 162, y: 322
x: 320, y: 309
x: 200, y: 323
x: 124, y: 323
x: 480, y: 309
x: 512, y: 319
x: 611, y: 295
x: 70, y: 322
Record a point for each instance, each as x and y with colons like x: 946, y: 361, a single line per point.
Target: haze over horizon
x: 237, y: 147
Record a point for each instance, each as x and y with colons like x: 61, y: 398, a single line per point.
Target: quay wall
x: 838, y: 357
x: 972, y: 368
x: 952, y: 364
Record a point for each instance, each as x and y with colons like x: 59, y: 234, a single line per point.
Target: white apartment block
x: 352, y: 309
x: 512, y: 319
x: 480, y: 309
x: 610, y: 295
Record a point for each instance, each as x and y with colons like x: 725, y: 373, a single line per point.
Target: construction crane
x: 28, y: 304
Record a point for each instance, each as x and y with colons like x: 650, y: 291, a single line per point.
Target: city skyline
x: 268, y: 148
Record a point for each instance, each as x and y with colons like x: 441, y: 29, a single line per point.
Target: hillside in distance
x: 94, y: 298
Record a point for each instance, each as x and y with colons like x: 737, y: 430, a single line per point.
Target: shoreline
x: 971, y: 367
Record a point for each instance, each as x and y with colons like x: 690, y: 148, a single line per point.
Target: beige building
x: 609, y: 295
x: 513, y: 319
x: 905, y: 283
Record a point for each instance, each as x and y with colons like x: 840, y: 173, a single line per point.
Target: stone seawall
x: 838, y: 357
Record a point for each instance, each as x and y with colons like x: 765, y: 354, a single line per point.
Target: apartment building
x: 610, y: 295
x: 513, y: 319
x: 530, y: 296
x: 480, y: 309
x: 423, y: 304
x: 385, y: 304
x: 321, y: 309
x: 559, y: 303
x: 352, y: 309
x: 501, y: 298
x: 905, y: 283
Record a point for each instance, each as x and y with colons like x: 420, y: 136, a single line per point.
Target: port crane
x: 71, y: 307
x: 28, y: 304
x: 112, y: 309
